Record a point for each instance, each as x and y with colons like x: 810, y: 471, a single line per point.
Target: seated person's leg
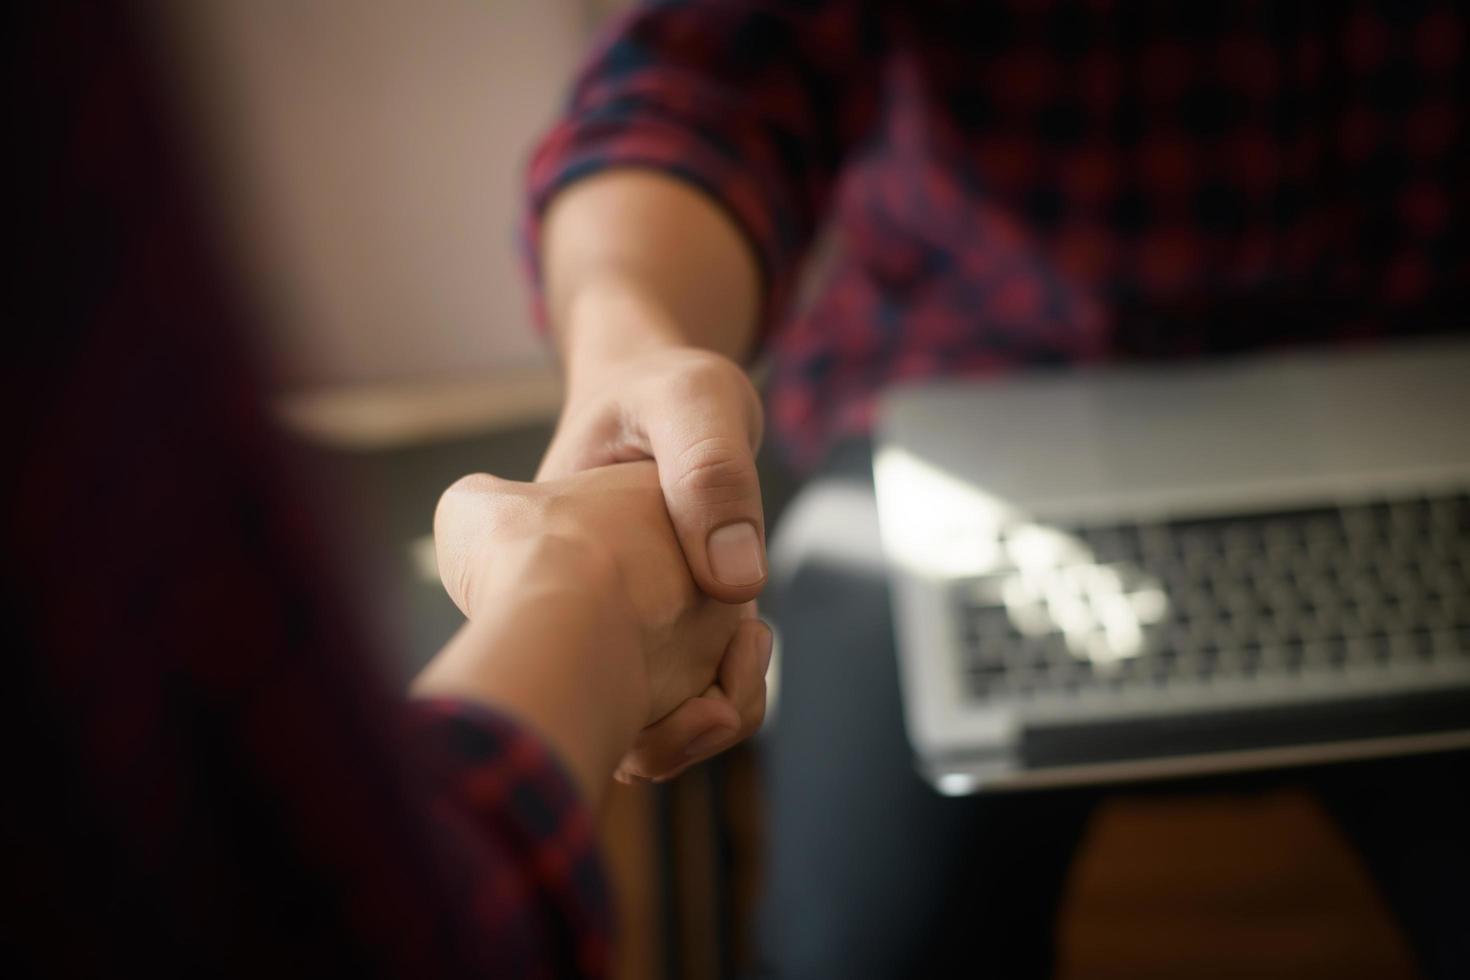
x: 869, y: 872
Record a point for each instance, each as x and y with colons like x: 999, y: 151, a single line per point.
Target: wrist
x: 562, y: 656
x: 612, y: 319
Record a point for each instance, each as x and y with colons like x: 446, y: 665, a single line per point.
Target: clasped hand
x: 598, y: 547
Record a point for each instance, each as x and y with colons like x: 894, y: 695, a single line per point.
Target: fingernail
x: 705, y: 743
x: 735, y: 554
x: 765, y: 643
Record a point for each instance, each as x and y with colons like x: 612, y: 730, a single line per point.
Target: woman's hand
x: 728, y: 712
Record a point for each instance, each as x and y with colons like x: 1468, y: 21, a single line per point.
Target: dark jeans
x: 870, y: 873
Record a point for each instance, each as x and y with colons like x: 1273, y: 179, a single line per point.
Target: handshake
x: 585, y: 620
x: 611, y: 603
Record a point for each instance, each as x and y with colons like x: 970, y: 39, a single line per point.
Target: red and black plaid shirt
x: 1036, y: 181
x: 204, y: 772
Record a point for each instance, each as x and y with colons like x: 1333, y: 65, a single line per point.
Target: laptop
x: 1143, y: 571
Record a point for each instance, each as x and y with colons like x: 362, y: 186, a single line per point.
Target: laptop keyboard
x: 1264, y: 599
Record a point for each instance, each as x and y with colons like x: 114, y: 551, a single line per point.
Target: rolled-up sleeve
x: 524, y: 842
x: 754, y: 103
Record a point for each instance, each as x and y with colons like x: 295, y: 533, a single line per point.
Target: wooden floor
x: 1276, y: 893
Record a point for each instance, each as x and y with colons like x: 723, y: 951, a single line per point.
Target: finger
x: 579, y: 445
x: 557, y: 462
x: 742, y: 677
x: 691, y: 731
x: 710, y: 745
x: 706, y: 466
x: 684, y: 737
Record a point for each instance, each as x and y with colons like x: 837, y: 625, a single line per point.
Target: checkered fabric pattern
x: 205, y: 772
x: 1026, y: 182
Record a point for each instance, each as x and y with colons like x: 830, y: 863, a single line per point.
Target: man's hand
x: 653, y: 294
x: 697, y: 416
x: 701, y: 727
x: 637, y: 393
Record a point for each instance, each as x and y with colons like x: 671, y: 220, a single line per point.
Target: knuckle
x: 716, y: 470
x: 707, y: 375
x: 455, y: 504
x: 703, y: 371
x: 476, y: 483
x: 465, y: 509
x: 469, y: 485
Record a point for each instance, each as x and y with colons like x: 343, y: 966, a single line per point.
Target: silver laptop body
x: 1128, y: 572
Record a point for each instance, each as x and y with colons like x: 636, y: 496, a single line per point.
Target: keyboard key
x: 1165, y: 606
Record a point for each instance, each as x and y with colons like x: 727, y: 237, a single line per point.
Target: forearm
x: 634, y: 259
x: 563, y: 663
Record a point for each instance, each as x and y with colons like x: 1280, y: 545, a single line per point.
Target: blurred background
x: 368, y: 161
x: 370, y: 156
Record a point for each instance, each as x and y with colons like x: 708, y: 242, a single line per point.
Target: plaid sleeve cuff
x: 661, y: 121
x: 511, y: 787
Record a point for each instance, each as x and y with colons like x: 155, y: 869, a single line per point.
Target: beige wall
x: 372, y: 151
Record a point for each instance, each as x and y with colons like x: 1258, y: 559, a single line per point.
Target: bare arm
x: 635, y: 259
x: 652, y: 294
x: 529, y: 654
x: 670, y: 207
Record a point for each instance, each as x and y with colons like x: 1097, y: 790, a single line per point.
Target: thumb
x: 706, y: 466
